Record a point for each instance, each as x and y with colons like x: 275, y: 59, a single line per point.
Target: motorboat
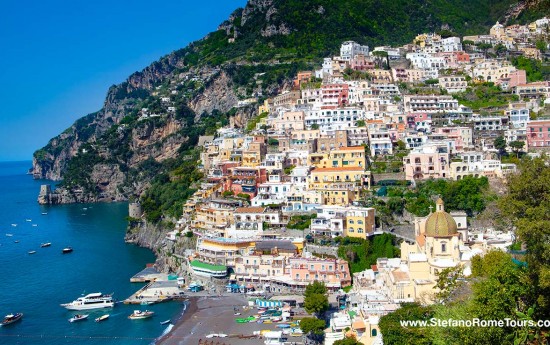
x: 102, y: 318
x: 16, y: 241
x: 91, y: 301
x: 165, y: 322
x: 44, y: 213
x: 67, y: 250
x: 47, y: 244
x: 138, y: 314
x: 9, y: 235
x: 11, y: 318
x: 78, y: 317
x: 28, y: 220
x: 32, y: 252
x: 14, y: 225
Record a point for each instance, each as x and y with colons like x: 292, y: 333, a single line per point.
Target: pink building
x: 427, y: 161
x: 334, y: 95
x: 361, y: 63
x: 462, y: 136
x: 538, y: 135
x: 454, y: 59
x: 517, y: 78
x: 333, y: 272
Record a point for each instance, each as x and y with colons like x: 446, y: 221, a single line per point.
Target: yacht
x: 11, y: 318
x: 91, y: 301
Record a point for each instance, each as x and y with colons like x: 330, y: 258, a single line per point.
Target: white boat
x: 165, y: 322
x: 9, y: 235
x: 91, y: 301
x: 102, y: 318
x: 44, y: 213
x: 35, y: 225
x: 78, y: 317
x: 14, y: 225
x: 32, y: 252
x: 138, y: 314
x: 28, y: 220
x: 47, y: 244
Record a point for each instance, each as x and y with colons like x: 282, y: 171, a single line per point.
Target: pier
x: 156, y: 292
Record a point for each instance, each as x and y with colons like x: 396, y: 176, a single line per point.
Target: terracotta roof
x: 250, y: 210
x: 400, y: 276
x: 374, y: 268
x: 359, y: 324
x: 338, y: 169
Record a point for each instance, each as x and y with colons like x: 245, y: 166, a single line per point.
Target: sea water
x: 36, y: 284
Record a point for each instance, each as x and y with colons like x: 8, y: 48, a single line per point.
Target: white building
x: 349, y: 49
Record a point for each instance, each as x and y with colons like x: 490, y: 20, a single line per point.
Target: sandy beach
x: 206, y: 315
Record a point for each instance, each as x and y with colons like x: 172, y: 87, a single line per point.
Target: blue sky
x: 58, y: 58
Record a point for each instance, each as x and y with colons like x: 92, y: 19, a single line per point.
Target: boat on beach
x: 11, y: 318
x: 138, y: 314
x: 102, y: 318
x: 91, y: 301
x: 78, y: 317
x: 67, y: 250
x: 47, y: 244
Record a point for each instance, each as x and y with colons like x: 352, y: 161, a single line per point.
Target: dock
x: 156, y: 292
x: 148, y: 274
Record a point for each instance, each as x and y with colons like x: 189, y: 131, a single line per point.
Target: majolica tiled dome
x: 440, y: 223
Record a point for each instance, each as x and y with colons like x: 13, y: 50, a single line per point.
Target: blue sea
x: 101, y: 262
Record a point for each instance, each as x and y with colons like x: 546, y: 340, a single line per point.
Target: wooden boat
x: 102, y: 318
x: 165, y: 322
x: 11, y: 318
x: 47, y: 244
x: 67, y: 250
x: 138, y: 314
x: 78, y: 317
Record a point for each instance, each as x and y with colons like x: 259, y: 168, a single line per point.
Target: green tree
x: 312, y: 325
x: 500, y: 145
x: 316, y: 303
x: 448, y: 281
x: 361, y: 123
x: 316, y: 287
x: 526, y: 206
x: 395, y: 334
x: 347, y: 341
x: 517, y: 146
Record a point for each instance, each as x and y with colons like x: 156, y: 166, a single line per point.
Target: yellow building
x: 266, y: 107
x: 359, y: 222
x: 344, y: 157
x: 339, y: 186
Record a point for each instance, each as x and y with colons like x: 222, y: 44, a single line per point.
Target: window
x: 373, y: 333
x: 350, y: 221
x: 350, y: 229
x: 443, y: 247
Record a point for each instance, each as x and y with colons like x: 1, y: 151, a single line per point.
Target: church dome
x: 440, y: 223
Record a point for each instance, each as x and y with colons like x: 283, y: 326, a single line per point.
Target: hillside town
x: 277, y: 194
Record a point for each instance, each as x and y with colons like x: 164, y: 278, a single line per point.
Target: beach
x: 207, y: 315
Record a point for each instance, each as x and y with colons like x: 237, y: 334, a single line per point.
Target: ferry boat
x: 67, y: 250
x: 47, y: 244
x: 11, y: 318
x: 138, y: 314
x: 78, y: 317
x: 91, y: 301
x: 102, y: 318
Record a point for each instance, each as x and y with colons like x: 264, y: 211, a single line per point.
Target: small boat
x: 35, y: 225
x: 138, y: 314
x: 44, y: 213
x: 14, y: 225
x: 237, y: 314
x: 11, y: 318
x: 79, y: 317
x: 16, y: 241
x: 32, y: 252
x: 102, y: 318
x: 28, y: 220
x: 47, y: 244
x: 9, y: 235
x: 165, y: 322
x: 67, y: 250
